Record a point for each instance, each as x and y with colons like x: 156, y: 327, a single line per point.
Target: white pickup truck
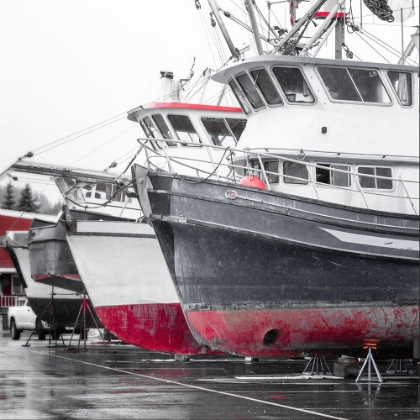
x: 23, y: 318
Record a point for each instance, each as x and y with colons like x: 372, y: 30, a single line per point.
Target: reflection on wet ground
x: 125, y: 382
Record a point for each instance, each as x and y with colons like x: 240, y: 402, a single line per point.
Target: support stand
x: 317, y: 365
x: 83, y: 310
x: 54, y: 323
x: 369, y: 361
x: 400, y: 366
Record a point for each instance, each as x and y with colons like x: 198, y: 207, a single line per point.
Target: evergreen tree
x: 26, y: 201
x: 9, y: 201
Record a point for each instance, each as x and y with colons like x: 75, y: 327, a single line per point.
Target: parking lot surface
x: 118, y: 381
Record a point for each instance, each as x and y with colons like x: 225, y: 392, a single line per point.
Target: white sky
x: 68, y: 65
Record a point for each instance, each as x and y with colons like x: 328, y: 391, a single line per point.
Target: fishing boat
x: 307, y: 241
x: 121, y: 263
x: 51, y: 260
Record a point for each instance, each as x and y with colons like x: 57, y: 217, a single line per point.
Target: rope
x: 210, y: 175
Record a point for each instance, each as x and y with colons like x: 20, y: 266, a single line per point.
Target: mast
x: 302, y: 21
x: 339, y: 31
x: 215, y: 8
x: 254, y: 25
x: 339, y: 37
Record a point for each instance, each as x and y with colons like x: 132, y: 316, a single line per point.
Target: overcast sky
x: 68, y: 65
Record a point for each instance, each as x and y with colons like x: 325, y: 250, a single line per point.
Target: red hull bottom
x: 157, y: 327
x: 292, y: 332
x: 71, y: 282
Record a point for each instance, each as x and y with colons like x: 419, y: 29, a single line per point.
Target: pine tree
x: 9, y: 201
x: 26, y: 201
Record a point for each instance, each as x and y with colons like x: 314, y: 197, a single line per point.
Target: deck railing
x: 228, y: 169
x: 7, y: 301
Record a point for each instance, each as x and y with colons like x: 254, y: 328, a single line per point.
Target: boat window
x: 218, y: 131
x: 117, y: 195
x: 240, y: 97
x: 89, y: 194
x: 370, y: 86
x: 237, y: 126
x: 325, y: 175
x: 269, y: 166
x: 184, y: 130
x: 298, y: 173
x: 145, y: 129
x: 147, y: 133
x: 251, y: 93
x: 151, y: 128
x: 293, y: 84
x: 379, y: 183
x: 264, y: 82
x: 163, y: 129
x: 402, y: 85
x: 356, y: 85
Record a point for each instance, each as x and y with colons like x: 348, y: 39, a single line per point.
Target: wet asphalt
x: 120, y: 381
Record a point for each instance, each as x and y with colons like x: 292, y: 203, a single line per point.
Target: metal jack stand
x: 400, y: 366
x: 317, y: 365
x: 370, y: 344
x: 53, y: 322
x: 83, y: 307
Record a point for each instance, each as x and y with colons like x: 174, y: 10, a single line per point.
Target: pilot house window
x: 250, y: 91
x: 184, y: 130
x: 401, y: 83
x: 219, y: 132
x: 355, y: 85
x: 163, y: 129
x: 266, y: 86
x: 237, y: 126
x: 293, y: 84
x: 240, y: 97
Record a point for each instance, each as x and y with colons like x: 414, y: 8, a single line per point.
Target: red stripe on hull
x: 158, y: 327
x: 41, y: 277
x: 291, y: 332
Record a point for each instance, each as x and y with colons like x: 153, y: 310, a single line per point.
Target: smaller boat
x: 130, y: 287
x: 40, y: 296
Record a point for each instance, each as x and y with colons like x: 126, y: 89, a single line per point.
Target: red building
x: 10, y: 286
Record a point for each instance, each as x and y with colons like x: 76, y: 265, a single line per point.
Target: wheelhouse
x: 180, y: 125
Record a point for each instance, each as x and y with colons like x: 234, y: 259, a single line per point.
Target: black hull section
x: 216, y: 269
x: 66, y: 311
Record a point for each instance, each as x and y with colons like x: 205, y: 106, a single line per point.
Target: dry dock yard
x: 120, y: 381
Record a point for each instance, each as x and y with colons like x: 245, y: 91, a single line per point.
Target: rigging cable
x: 102, y: 145
x: 81, y: 131
x: 374, y: 49
x: 207, y: 35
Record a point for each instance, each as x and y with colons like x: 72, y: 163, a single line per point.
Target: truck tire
x: 82, y: 334
x: 14, y: 331
x: 55, y: 333
x: 41, y: 331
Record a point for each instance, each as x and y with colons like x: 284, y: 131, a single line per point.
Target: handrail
x: 232, y: 168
